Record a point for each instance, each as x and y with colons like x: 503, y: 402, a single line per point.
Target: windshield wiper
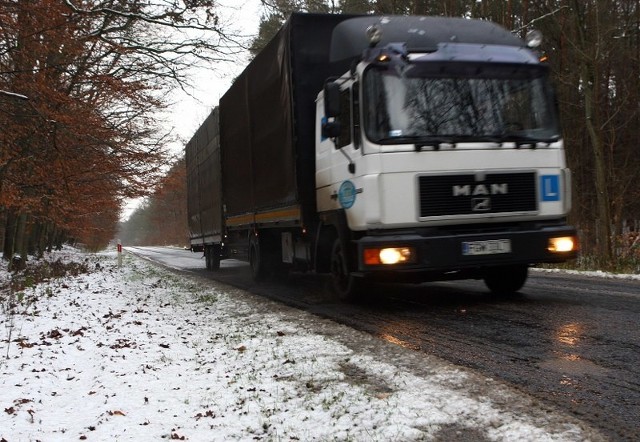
x: 397, y: 140
x: 419, y: 142
x: 436, y: 141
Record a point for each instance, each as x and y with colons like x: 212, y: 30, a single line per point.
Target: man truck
x: 385, y: 148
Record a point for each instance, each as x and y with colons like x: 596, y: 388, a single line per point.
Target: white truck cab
x: 443, y: 154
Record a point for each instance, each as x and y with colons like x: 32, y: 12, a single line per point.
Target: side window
x: 344, y: 138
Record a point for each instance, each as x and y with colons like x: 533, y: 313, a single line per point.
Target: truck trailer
x: 385, y: 148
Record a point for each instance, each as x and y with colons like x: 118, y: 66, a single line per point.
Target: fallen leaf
x: 116, y: 413
x: 207, y: 413
x: 54, y: 334
x: 79, y: 332
x: 123, y: 343
x: 241, y: 349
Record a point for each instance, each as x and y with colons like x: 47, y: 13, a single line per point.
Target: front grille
x: 447, y: 195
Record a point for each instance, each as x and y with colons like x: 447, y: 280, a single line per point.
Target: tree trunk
x: 41, y: 238
x: 3, y: 226
x: 9, y: 235
x: 603, y: 204
x: 588, y: 77
x: 20, y: 246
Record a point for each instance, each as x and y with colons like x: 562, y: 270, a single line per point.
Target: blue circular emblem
x: 347, y: 194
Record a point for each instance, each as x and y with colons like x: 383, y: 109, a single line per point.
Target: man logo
x: 480, y: 189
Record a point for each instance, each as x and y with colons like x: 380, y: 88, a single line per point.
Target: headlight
x: 389, y: 255
x: 563, y: 244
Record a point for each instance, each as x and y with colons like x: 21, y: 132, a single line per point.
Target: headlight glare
x: 562, y: 244
x: 389, y: 255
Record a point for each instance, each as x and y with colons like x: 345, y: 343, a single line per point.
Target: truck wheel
x: 258, y: 271
x: 262, y: 257
x: 345, y: 285
x: 506, y: 280
x: 207, y: 257
x: 212, y: 257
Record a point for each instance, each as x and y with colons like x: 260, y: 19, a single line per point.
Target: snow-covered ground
x: 140, y: 353
x: 594, y: 274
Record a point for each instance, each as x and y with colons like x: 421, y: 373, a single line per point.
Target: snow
x: 142, y: 353
x: 593, y: 274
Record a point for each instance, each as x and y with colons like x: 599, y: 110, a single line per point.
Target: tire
x: 212, y: 257
x: 207, y: 257
x: 344, y: 284
x: 257, y: 262
x: 506, y: 280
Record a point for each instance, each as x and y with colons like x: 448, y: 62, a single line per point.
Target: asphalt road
x: 572, y: 341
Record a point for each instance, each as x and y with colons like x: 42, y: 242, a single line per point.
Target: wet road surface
x: 572, y: 341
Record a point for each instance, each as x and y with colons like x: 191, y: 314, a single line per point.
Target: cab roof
x: 419, y: 33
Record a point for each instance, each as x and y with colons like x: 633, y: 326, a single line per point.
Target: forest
x: 82, y: 83
x: 79, y: 94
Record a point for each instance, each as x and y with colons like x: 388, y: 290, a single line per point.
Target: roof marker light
x: 533, y: 39
x: 374, y: 35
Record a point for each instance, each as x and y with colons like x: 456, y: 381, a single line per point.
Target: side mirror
x: 331, y: 99
x: 330, y: 129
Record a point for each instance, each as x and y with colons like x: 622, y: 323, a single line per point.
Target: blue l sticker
x: 550, y: 187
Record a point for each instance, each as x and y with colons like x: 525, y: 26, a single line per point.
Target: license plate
x: 489, y: 247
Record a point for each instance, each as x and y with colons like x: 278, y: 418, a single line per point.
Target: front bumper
x: 440, y: 255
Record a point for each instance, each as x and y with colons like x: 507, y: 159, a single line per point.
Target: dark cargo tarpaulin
x: 202, y: 155
x: 267, y: 119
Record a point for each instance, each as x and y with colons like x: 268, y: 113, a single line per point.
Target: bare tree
x: 96, y: 73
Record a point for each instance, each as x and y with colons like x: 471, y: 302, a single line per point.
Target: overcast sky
x: 190, y: 108
x: 241, y: 17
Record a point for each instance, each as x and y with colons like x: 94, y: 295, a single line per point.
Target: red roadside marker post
x: 119, y: 254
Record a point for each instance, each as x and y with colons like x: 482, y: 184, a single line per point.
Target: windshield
x: 458, y: 103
